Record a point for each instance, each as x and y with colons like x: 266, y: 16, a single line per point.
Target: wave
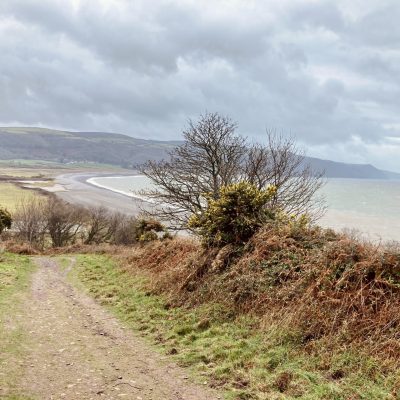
x: 131, y: 193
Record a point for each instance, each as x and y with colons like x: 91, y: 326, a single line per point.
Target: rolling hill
x: 111, y: 148
x: 63, y: 146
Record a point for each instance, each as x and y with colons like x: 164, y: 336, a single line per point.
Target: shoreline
x: 131, y: 194
x: 78, y: 190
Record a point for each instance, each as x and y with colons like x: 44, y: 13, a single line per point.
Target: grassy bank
x: 251, y: 355
x: 15, y: 272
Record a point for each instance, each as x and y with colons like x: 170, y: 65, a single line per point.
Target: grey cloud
x: 143, y: 69
x: 321, y: 14
x: 380, y: 28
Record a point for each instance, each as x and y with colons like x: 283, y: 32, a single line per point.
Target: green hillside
x: 63, y: 146
x: 21, y: 143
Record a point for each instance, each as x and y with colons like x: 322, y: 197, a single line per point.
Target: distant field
x: 28, y: 169
x: 11, y: 195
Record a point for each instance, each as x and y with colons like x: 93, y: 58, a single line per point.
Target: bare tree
x: 102, y: 226
x: 212, y: 156
x: 281, y: 163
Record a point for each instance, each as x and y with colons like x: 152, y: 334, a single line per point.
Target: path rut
x: 77, y: 350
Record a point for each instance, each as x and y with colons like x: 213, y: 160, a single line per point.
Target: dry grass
x: 329, y: 290
x: 11, y: 194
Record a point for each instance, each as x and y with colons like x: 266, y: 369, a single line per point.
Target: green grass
x: 15, y: 272
x: 231, y: 354
x: 11, y: 195
x: 31, y: 169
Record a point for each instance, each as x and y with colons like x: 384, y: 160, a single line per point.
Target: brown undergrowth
x: 329, y: 290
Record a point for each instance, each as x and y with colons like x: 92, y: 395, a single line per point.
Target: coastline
x: 131, y: 194
x: 78, y: 190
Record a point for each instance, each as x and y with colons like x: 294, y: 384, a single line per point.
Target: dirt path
x: 77, y: 350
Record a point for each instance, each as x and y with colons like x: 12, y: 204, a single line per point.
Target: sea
x: 368, y: 208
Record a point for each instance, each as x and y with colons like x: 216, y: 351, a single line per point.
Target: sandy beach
x: 77, y: 190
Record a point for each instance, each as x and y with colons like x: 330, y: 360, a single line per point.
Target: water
x: 127, y: 185
x: 369, y: 206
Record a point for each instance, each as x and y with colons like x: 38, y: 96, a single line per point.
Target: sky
x: 325, y: 72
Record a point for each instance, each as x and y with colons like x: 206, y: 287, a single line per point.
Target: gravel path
x: 77, y: 350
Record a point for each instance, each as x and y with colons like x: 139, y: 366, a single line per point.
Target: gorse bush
x: 150, y: 229
x: 233, y: 218
x: 5, y: 219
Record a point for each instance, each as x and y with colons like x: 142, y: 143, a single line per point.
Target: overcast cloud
x: 327, y: 72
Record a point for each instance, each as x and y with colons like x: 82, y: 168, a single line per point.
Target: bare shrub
x: 63, y: 221
x: 52, y: 221
x: 98, y: 225
x: 122, y: 229
x: 30, y: 224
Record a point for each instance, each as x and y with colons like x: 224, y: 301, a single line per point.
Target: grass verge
x: 232, y: 352
x: 15, y: 272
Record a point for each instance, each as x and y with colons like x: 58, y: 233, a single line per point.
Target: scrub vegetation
x: 261, y: 327
x: 266, y: 305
